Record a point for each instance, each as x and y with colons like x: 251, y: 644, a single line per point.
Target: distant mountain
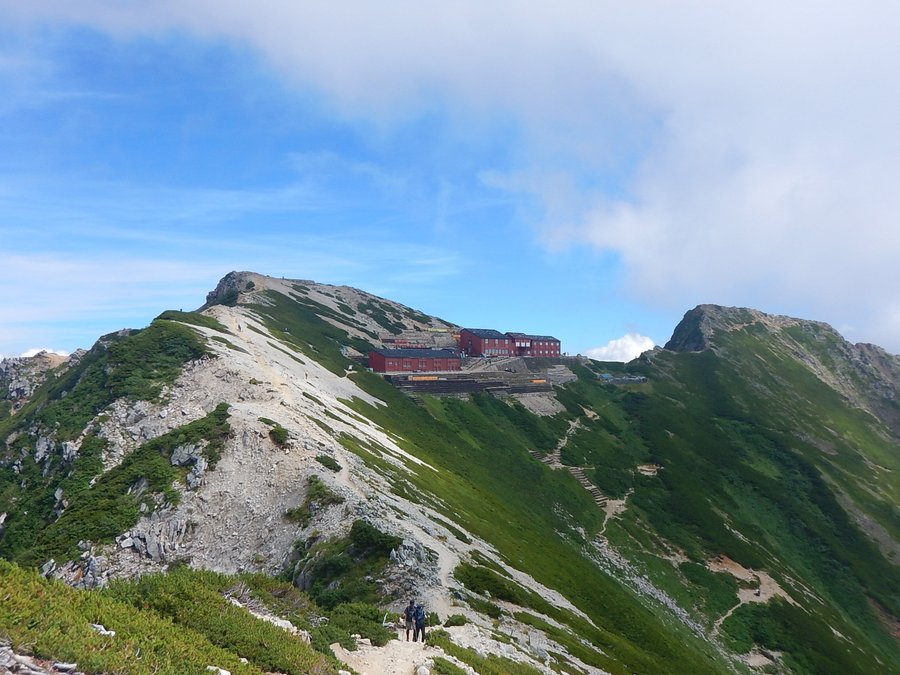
x: 726, y: 504
x: 867, y: 376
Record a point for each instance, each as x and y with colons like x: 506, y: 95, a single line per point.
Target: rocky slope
x: 667, y: 522
x: 232, y: 520
x: 20, y: 377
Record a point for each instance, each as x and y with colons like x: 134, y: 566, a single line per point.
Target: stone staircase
x: 578, y: 472
x: 549, y: 458
x: 552, y: 460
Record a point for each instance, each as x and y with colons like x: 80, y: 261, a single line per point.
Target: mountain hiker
x: 419, y: 617
x: 409, y: 613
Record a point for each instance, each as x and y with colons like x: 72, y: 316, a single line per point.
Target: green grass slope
x: 176, y: 624
x: 758, y: 454
x: 765, y: 444
x: 738, y: 480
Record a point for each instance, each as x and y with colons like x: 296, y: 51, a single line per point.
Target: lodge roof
x: 485, y: 332
x: 418, y: 353
x: 533, y: 337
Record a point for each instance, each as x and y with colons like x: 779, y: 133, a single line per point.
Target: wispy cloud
x: 104, y: 268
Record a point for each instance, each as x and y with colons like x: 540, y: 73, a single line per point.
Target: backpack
x: 420, y: 615
x: 409, y: 613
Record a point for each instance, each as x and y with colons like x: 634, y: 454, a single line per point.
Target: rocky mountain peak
x: 698, y: 328
x: 363, y: 316
x: 867, y: 376
x: 230, y: 287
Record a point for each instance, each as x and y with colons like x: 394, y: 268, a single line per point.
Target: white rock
x: 23, y: 660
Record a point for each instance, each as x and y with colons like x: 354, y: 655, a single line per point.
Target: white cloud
x: 737, y: 153
x: 625, y: 348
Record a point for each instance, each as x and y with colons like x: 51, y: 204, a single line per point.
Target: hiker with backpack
x: 419, y: 617
x: 409, y: 613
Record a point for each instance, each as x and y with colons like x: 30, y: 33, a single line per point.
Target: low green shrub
x: 444, y: 667
x: 343, y: 570
x: 325, y: 635
x: 53, y: 621
x: 484, y: 607
x: 455, y: 620
x: 279, y: 435
x: 318, y: 497
x: 804, y: 639
x: 369, y: 541
x: 312, y: 398
x: 328, y: 462
x: 481, y: 579
x: 194, y: 318
x: 362, y: 619
x: 194, y: 600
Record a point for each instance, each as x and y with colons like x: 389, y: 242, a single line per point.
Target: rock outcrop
x: 22, y: 664
x: 21, y: 376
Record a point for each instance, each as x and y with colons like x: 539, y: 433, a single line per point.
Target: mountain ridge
x: 789, y: 400
x: 866, y: 374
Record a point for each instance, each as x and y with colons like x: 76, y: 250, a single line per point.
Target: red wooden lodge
x: 490, y: 342
x: 534, y: 345
x: 484, y: 342
x: 413, y: 360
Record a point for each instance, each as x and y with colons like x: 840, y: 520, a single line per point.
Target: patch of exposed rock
x: 20, y: 377
x: 697, y: 329
x: 22, y: 664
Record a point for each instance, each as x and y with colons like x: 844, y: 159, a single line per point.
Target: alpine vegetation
x: 235, y: 489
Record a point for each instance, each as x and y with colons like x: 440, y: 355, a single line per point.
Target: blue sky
x: 580, y: 169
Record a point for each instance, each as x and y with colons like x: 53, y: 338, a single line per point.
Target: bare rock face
x: 415, y: 567
x: 693, y: 332
x: 697, y: 330
x: 229, y: 288
x: 21, y: 376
